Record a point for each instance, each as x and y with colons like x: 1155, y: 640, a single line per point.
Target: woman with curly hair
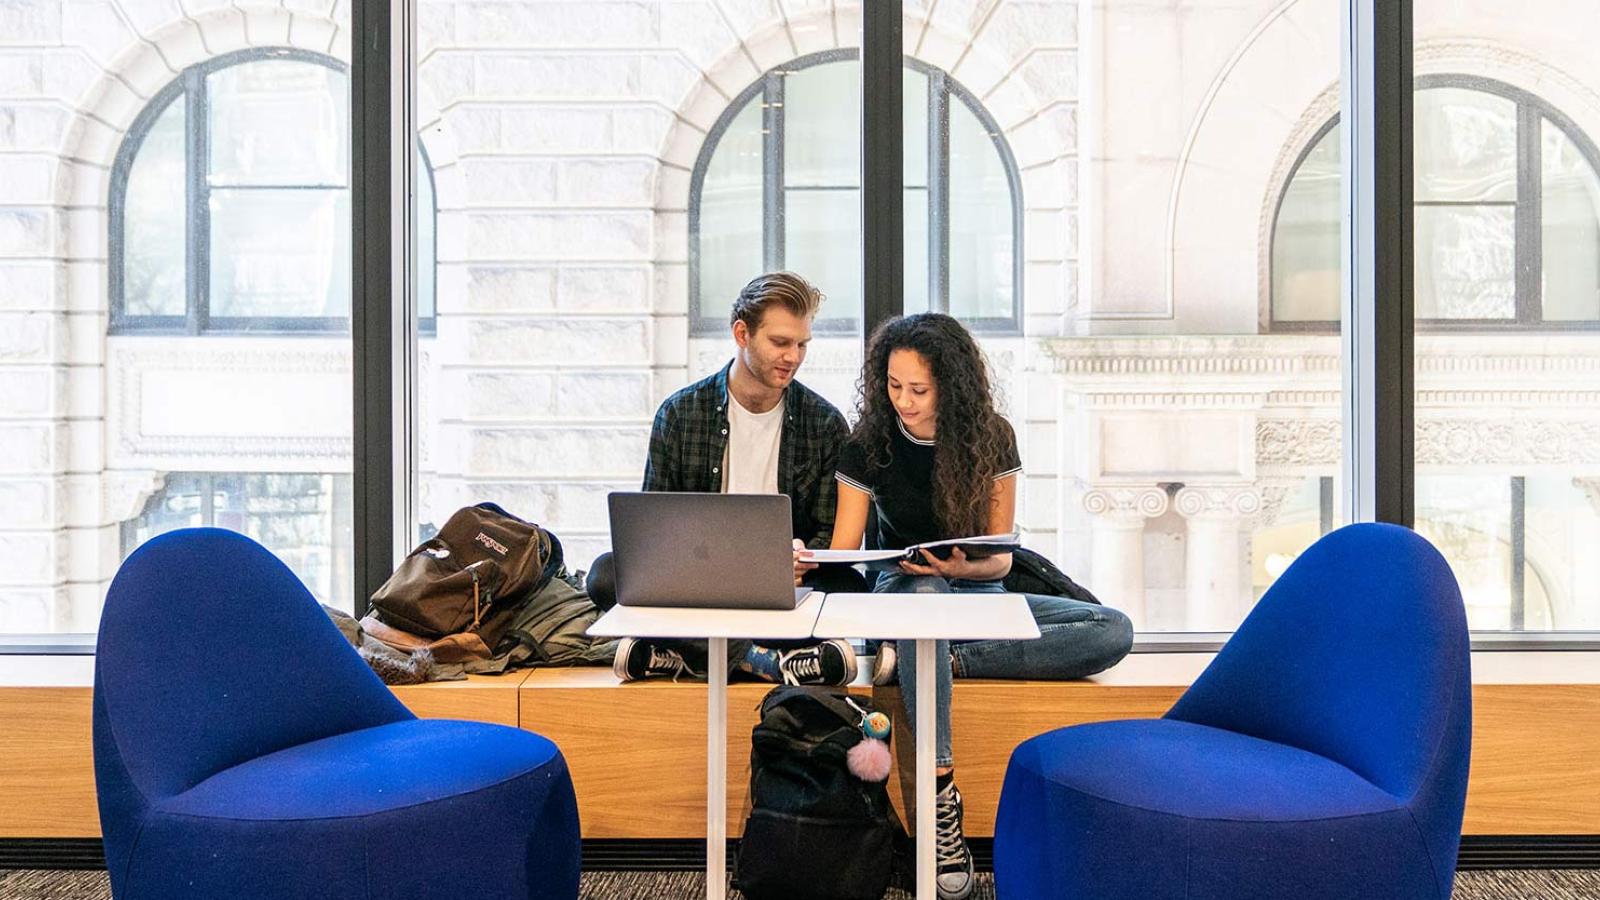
x: 930, y: 454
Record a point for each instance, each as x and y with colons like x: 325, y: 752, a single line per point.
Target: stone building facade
x: 1175, y: 442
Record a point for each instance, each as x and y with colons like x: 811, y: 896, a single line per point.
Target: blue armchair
x: 1322, y: 756
x: 244, y: 750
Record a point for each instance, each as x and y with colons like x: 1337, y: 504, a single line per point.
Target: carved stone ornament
x: 1299, y: 442
x: 1143, y: 502
x: 1500, y: 442
x: 1225, y: 501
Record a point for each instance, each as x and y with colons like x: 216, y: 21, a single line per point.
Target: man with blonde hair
x: 751, y: 428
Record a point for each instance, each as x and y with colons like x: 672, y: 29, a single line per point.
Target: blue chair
x: 243, y: 750
x: 1321, y: 756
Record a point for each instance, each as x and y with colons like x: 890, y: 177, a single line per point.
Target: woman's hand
x: 802, y: 563
x: 990, y: 568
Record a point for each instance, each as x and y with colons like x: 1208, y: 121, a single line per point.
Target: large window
x: 778, y: 186
x: 230, y: 202
x: 1507, y: 216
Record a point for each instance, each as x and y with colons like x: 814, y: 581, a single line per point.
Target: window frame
x: 190, y: 89
x: 769, y: 89
x: 1531, y: 110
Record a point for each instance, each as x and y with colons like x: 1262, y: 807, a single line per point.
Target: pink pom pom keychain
x: 869, y: 759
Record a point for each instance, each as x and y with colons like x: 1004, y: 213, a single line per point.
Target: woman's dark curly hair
x: 972, y: 437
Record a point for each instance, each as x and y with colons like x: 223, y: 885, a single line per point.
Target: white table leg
x: 717, y: 769
x: 927, y: 735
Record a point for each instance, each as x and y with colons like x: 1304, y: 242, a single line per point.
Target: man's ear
x: 741, y: 333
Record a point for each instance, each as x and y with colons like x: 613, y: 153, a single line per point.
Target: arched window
x: 1507, y: 216
x: 230, y: 202
x: 778, y: 186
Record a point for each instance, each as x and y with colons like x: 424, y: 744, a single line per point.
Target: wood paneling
x: 637, y: 751
x: 481, y: 698
x: 47, y: 763
x: 1535, y: 759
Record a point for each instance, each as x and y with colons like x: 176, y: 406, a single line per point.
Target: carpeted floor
x: 1501, y: 885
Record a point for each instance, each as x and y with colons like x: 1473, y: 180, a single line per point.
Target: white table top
x: 686, y: 622
x: 955, y: 617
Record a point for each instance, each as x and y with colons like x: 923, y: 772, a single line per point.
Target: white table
x: 926, y: 618
x: 715, y: 626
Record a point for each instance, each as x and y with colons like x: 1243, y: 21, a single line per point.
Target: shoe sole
x: 619, y: 663
x: 850, y: 668
x: 890, y: 671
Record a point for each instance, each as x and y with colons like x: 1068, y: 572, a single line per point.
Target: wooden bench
x: 637, y: 751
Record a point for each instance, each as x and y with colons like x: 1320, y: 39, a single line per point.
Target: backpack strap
x: 822, y: 696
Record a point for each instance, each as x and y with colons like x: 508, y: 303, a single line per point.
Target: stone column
x: 1215, y: 575
x: 1116, y: 568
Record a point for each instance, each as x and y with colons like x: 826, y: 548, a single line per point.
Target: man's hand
x: 802, y: 563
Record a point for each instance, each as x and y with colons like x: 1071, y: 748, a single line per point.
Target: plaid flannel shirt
x: 691, y: 432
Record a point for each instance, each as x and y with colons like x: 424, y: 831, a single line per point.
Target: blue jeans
x: 1076, y: 640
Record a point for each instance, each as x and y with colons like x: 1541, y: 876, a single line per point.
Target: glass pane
x: 1468, y: 517
x: 1158, y: 223
x: 1561, y: 574
x: 1570, y: 218
x: 566, y: 251
x: 822, y: 127
x: 915, y: 124
x: 824, y: 244
x: 89, y: 479
x: 1466, y: 262
x: 731, y: 213
x: 1465, y: 145
x: 156, y: 219
x: 280, y: 253
x: 1308, y: 510
x: 982, y: 249
x: 1305, y: 239
x: 916, y: 252
x: 1505, y: 452
x: 305, y: 519
x: 279, y: 122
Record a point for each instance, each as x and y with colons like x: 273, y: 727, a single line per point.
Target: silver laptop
x: 723, y: 551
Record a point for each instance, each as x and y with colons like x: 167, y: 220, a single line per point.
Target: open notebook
x: 974, y: 547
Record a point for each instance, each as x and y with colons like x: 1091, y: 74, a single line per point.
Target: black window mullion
x: 938, y: 192
x: 774, y: 248
x: 1530, y: 216
x: 882, y: 164
x: 197, y: 250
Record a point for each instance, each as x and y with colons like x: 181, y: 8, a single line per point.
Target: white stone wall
x: 1153, y: 138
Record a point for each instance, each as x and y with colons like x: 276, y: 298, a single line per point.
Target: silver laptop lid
x: 727, y: 551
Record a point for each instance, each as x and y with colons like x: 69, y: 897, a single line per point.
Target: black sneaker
x: 953, y: 873
x: 640, y: 659
x: 830, y: 662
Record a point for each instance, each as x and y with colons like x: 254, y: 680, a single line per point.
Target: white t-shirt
x: 750, y: 461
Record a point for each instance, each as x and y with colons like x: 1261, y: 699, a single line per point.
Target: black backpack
x: 1031, y: 573
x: 815, y: 831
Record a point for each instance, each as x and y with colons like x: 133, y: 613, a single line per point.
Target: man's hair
x: 785, y: 289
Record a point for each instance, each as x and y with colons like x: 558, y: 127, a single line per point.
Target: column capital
x: 1133, y: 502
x: 1219, y: 501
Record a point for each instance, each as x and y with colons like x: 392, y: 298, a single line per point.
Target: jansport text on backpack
x: 815, y: 831
x: 470, y: 577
